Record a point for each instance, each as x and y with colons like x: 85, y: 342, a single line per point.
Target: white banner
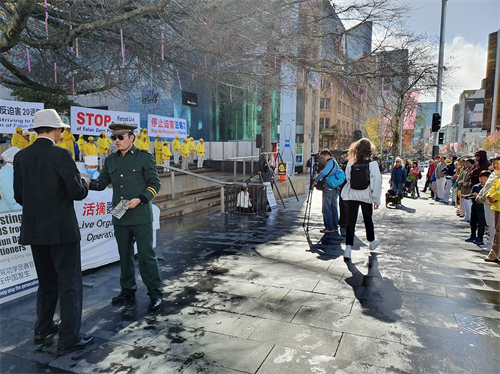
x: 17, y: 114
x: 270, y: 195
x: 89, y: 121
x: 17, y: 269
x: 166, y: 127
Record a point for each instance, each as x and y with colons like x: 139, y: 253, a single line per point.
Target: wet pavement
x: 254, y: 294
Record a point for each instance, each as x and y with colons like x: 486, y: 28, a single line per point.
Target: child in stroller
x: 410, y: 186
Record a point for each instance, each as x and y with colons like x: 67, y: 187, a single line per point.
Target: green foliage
x: 60, y: 103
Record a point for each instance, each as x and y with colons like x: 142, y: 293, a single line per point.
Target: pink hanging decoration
x: 123, y: 48
x: 343, y: 86
x: 73, y: 86
x: 29, y: 61
x: 366, y: 93
x: 179, y: 79
x: 71, y: 29
x: 331, y: 88
x: 55, y: 72
x: 162, y: 47
x: 274, y: 62
x: 168, y: 79
x: 46, y: 20
x: 359, y: 88
x: 192, y: 75
x: 76, y: 47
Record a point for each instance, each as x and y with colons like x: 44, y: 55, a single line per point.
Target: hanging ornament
x: 55, y: 72
x: 343, y: 86
x: 192, y: 75
x: 366, y: 93
x: 359, y: 88
x: 179, y: 79
x: 123, y: 48
x: 71, y: 29
x: 29, y: 61
x: 162, y: 47
x: 73, y: 86
x: 137, y: 65
x: 76, y: 47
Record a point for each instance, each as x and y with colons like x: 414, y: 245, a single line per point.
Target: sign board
x: 17, y: 114
x: 189, y: 98
x: 270, y: 195
x: 88, y: 121
x: 166, y: 127
x: 473, y: 113
x: 17, y: 269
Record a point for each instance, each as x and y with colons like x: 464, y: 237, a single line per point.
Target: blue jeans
x: 397, y: 187
x: 330, y: 209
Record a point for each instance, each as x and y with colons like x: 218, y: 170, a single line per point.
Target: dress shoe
x: 490, y: 259
x: 155, y: 304
x: 122, y: 298
x: 84, y: 342
x: 40, y: 337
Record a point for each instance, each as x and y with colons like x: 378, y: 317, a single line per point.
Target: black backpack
x: 360, y: 176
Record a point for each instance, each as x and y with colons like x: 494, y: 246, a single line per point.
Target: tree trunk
x: 265, y: 121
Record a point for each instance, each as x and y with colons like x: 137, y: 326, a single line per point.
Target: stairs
x: 189, y: 202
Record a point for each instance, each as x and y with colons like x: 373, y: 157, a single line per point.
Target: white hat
x: 9, y: 154
x: 48, y: 118
x: 91, y: 160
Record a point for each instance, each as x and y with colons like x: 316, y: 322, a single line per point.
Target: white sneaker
x: 347, y: 251
x: 374, y: 244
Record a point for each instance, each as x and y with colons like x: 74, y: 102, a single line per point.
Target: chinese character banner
x: 166, y: 127
x: 15, y: 114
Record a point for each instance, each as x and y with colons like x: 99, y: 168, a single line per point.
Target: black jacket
x: 46, y: 182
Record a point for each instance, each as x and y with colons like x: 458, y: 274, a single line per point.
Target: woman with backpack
x: 363, y: 188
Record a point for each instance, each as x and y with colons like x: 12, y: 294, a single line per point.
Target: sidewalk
x: 248, y: 294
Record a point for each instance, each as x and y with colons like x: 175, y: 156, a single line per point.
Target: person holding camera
x: 330, y: 195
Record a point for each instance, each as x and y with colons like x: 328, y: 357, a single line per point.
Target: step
x: 162, y: 198
x: 184, y: 200
x: 193, y: 169
x: 190, y: 208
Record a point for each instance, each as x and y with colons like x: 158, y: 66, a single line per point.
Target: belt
x: 448, y: 177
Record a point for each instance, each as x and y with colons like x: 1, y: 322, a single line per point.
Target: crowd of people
x: 471, y: 185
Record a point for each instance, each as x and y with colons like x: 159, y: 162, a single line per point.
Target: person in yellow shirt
x: 110, y: 143
x: 137, y: 141
x: 90, y: 149
x: 69, y: 141
x: 81, y: 146
x: 185, y: 154
x: 200, y: 153
x: 33, y: 137
x: 26, y: 140
x: 145, y: 140
x: 158, y: 150
x: 176, y: 146
x: 60, y: 143
x: 493, y: 197
x: 192, y: 148
x: 166, y: 154
x: 17, y: 139
x: 102, y: 149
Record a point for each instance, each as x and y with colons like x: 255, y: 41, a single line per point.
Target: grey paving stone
x: 222, y: 350
x: 15, y: 365
x: 252, y: 290
x: 306, y: 338
x: 331, y: 303
x: 285, y: 360
x: 492, y: 297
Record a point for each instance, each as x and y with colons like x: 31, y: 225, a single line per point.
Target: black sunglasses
x: 119, y: 137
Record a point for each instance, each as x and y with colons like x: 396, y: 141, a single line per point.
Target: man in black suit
x: 46, y: 183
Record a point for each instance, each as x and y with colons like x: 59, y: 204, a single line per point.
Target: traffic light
x: 436, y: 122
x: 441, y: 138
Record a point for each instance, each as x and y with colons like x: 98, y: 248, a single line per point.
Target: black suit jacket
x: 46, y: 182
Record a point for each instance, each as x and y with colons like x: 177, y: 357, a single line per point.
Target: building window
x: 327, y: 103
x: 325, y: 143
x: 327, y: 123
x: 338, y: 124
x: 321, y: 103
x: 321, y: 123
x: 339, y: 106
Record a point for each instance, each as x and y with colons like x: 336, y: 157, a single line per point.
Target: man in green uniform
x: 134, y: 177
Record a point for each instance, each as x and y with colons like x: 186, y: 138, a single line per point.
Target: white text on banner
x: 17, y: 114
x: 89, y: 121
x: 166, y: 127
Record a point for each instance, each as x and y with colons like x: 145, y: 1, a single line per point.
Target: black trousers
x: 477, y: 220
x: 59, y: 269
x: 427, y: 184
x: 344, y: 212
x: 367, y: 210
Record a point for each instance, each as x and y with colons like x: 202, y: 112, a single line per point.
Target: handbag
x: 321, y: 184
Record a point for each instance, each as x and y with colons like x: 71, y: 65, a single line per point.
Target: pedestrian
x: 360, y: 154
x: 493, y: 196
x: 330, y: 194
x: 243, y: 201
x: 26, y: 139
x: 46, y: 184
x: 17, y: 138
x: 176, y: 147
x: 33, y: 137
x: 343, y: 205
x: 398, y: 177
x: 415, y: 171
x: 134, y: 177
x: 158, y: 150
x: 440, y: 178
x: 90, y: 149
x: 477, y: 219
x: 200, y: 153
x: 192, y: 148
x: 102, y: 148
x: 489, y: 213
x: 81, y: 146
x: 430, y: 171
x: 449, y: 173
x: 166, y: 154
x: 185, y: 154
x: 481, y: 164
x: 145, y: 141
x: 466, y: 188
x: 69, y: 141
x: 7, y: 201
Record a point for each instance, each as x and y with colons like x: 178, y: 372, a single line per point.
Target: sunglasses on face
x: 119, y: 137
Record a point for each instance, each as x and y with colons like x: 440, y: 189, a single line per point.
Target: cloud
x: 466, y: 63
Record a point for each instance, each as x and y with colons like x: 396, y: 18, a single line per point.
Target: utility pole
x: 496, y: 88
x: 435, y: 148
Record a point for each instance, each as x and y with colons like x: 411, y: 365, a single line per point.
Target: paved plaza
x: 254, y: 294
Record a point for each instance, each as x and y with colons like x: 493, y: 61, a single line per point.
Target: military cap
x: 122, y: 127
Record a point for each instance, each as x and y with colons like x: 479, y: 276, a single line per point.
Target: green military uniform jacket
x: 132, y: 176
